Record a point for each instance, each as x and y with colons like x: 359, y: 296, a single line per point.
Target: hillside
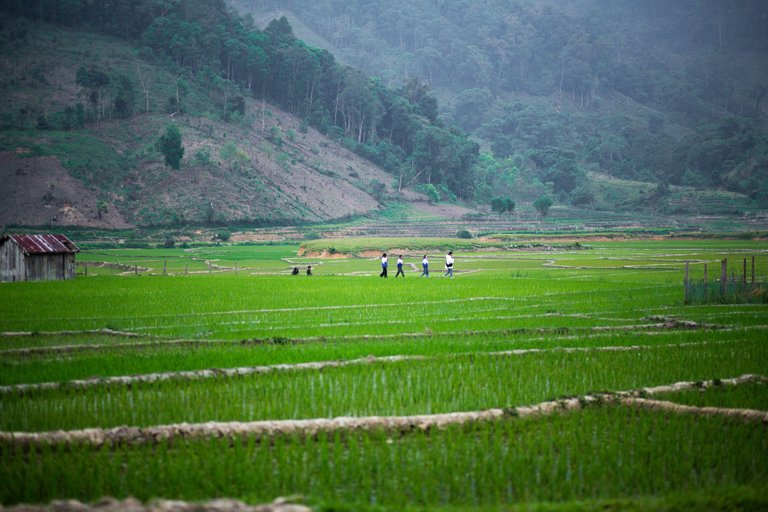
x: 659, y: 92
x: 265, y: 166
x: 275, y: 131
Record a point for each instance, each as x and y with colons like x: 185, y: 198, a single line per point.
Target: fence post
x: 706, y: 291
x: 136, y: 269
x: 724, y: 278
x: 744, y: 275
x: 85, y: 269
x: 165, y: 268
x: 753, y: 270
x: 687, y: 285
x: 186, y: 268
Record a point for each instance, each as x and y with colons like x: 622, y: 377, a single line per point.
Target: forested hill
x: 659, y: 91
x: 223, y: 69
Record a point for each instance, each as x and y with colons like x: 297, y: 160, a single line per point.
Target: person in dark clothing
x: 384, y: 265
x: 295, y: 271
x: 309, y: 270
x: 400, y: 267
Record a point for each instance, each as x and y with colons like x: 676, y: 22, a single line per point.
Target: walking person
x: 384, y: 265
x: 425, y: 267
x: 449, y: 264
x: 400, y: 267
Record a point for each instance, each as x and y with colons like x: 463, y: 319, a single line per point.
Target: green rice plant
x: 441, y: 384
x: 609, y: 452
x: 82, y: 357
x: 753, y: 395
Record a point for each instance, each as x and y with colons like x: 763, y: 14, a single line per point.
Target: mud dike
x: 133, y: 505
x: 242, y: 371
x: 98, y: 437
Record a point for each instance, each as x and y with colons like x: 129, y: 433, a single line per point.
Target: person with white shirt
x: 400, y: 267
x: 449, y: 264
x: 384, y: 265
x: 425, y: 267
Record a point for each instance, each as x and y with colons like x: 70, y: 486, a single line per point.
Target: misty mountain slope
x: 263, y: 166
x: 663, y: 92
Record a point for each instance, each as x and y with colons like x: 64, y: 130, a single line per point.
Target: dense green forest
x: 207, y: 42
x: 657, y: 91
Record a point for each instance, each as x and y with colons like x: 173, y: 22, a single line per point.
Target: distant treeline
x: 396, y: 128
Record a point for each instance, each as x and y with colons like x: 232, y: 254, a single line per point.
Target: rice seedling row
x: 105, y: 360
x: 436, y: 385
x: 219, y: 372
x: 606, y: 452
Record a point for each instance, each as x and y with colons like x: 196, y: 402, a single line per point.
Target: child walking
x: 400, y: 267
x: 425, y: 267
x: 384, y: 265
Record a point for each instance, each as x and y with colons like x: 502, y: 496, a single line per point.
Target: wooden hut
x: 37, y: 258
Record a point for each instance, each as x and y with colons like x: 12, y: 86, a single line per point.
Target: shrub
x: 170, y: 146
x: 542, y: 205
x: 203, y: 157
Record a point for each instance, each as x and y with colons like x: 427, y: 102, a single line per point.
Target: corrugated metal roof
x: 42, y: 244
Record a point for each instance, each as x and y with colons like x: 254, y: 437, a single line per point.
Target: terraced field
x: 547, y: 373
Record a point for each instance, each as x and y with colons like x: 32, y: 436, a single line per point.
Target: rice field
x: 146, y: 338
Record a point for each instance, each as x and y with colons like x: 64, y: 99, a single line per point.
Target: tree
x: 175, y: 102
x: 235, y: 157
x: 378, y: 189
x: 125, y: 96
x: 509, y: 204
x: 170, y: 146
x: 145, y: 80
x: 101, y: 208
x: 502, y: 205
x: 542, y: 205
x: 93, y: 81
x: 432, y: 194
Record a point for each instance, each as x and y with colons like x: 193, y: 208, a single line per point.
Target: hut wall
x: 48, y: 267
x: 12, y: 263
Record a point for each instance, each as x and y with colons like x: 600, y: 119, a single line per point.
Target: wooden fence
x: 743, y: 288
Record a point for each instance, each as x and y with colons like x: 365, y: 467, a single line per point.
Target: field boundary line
x: 669, y: 323
x: 108, y: 504
x: 667, y: 406
x: 98, y: 437
x: 103, y: 332
x: 243, y: 371
x: 289, y: 310
x: 159, y: 341
x: 643, y: 329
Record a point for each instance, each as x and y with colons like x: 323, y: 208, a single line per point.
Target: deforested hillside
x: 186, y: 112
x: 667, y: 93
x: 262, y: 166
